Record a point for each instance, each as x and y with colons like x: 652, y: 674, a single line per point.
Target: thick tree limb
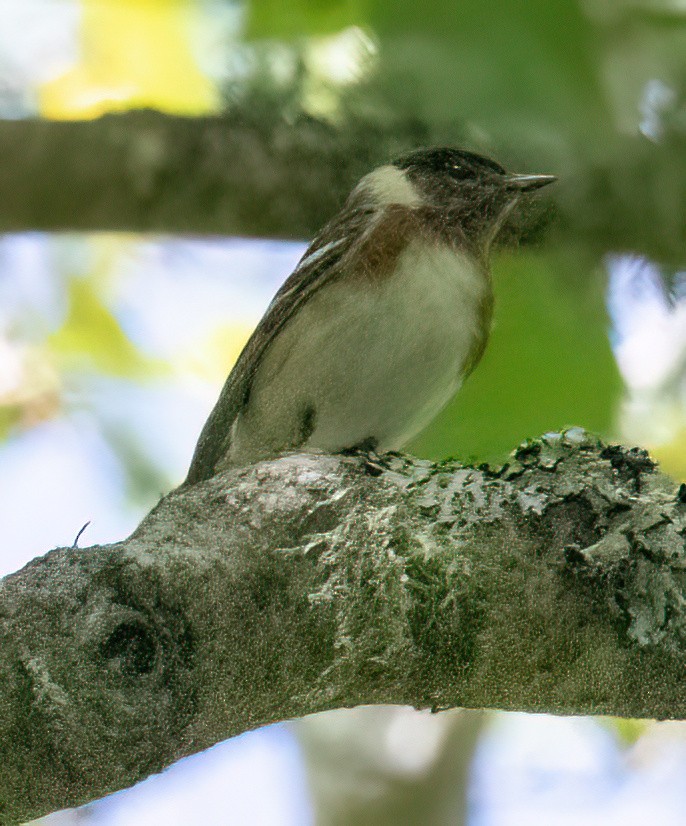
x: 148, y: 172
x: 256, y: 172
x: 313, y: 582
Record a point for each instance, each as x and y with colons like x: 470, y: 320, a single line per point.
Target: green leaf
x: 503, y: 64
x: 627, y: 730
x: 300, y: 18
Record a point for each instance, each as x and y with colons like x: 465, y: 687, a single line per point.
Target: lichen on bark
x: 553, y: 583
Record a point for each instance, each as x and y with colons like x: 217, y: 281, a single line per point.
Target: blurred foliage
x: 498, y: 62
x: 672, y: 455
x: 29, y: 386
x: 627, y: 731
x: 533, y: 65
x: 135, y: 53
x: 300, y: 18
x: 92, y: 337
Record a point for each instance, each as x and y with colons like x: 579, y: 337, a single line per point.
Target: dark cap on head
x: 458, y: 163
x: 476, y: 192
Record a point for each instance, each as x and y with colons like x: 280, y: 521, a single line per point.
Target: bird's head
x: 474, y: 193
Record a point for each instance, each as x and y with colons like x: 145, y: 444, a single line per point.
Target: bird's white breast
x: 370, y: 359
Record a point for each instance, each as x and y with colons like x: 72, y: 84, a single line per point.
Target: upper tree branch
x: 258, y: 173
x: 148, y: 172
x: 313, y: 582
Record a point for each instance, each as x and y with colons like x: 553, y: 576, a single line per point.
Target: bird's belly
x: 368, y: 361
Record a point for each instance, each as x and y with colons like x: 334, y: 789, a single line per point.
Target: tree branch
x: 149, y: 172
x: 254, y: 171
x: 312, y: 582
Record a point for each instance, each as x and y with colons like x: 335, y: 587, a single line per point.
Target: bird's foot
x: 374, y: 464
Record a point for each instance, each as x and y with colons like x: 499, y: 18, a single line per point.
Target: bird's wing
x: 320, y: 264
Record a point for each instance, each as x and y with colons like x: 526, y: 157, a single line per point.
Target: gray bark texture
x: 312, y: 582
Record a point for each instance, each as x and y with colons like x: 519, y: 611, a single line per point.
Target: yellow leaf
x: 672, y: 455
x: 135, y: 53
x: 91, y: 336
x: 627, y: 730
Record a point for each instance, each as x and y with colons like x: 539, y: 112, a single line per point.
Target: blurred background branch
x: 252, y: 172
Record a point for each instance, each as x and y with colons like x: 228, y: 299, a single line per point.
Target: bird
x: 383, y: 318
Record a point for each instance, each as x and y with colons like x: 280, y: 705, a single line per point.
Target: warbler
x: 386, y: 314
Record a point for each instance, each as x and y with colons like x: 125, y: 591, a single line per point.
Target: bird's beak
x: 526, y: 183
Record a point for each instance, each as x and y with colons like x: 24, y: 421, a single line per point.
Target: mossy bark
x: 311, y: 582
